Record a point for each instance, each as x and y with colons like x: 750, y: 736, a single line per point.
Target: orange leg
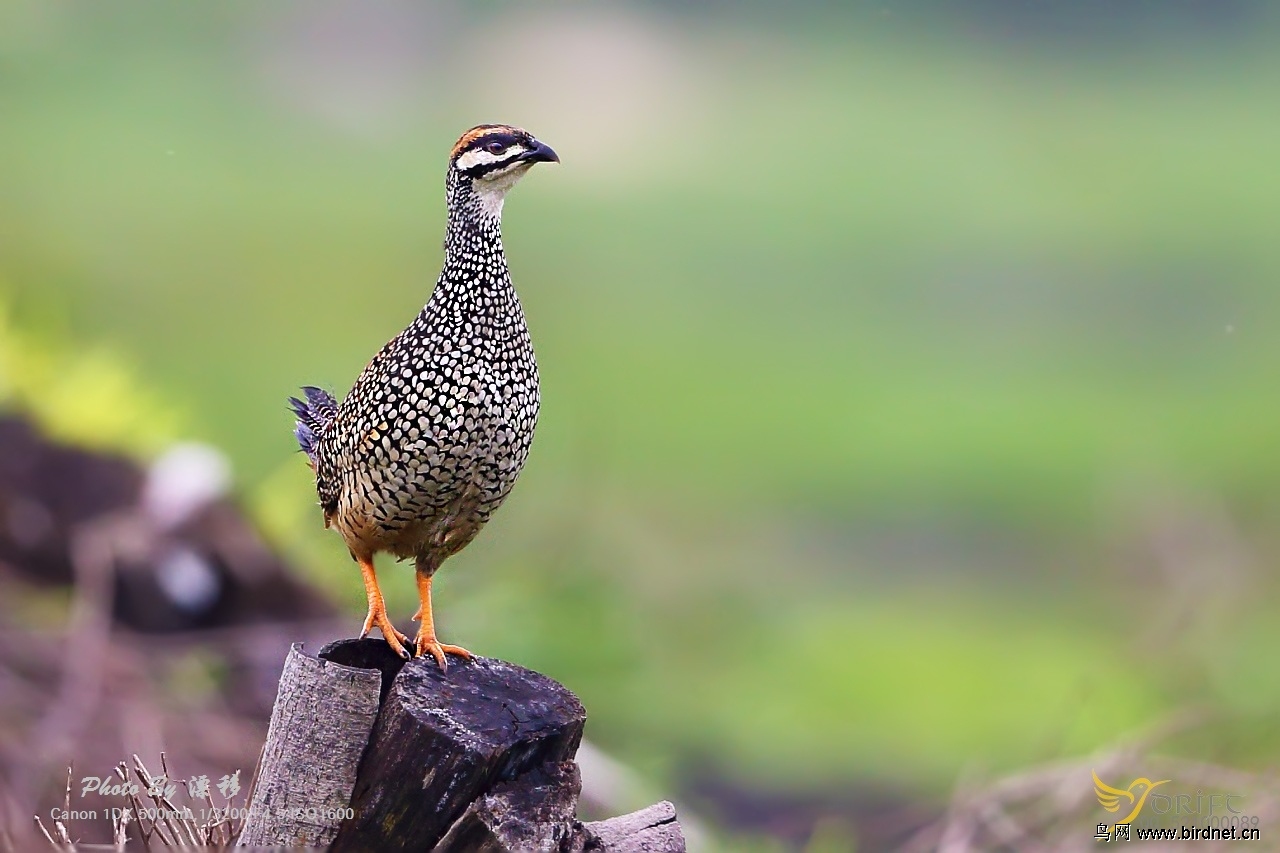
x: 427, y: 641
x: 378, y: 610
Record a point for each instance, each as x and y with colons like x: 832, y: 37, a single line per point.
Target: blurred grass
x: 90, y: 397
x: 871, y: 277
x: 1058, y: 221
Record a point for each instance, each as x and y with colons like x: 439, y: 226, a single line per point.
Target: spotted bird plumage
x: 431, y: 438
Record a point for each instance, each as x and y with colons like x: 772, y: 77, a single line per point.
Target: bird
x: 1109, y: 798
x: 430, y: 439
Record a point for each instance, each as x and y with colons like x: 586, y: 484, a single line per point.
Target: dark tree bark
x: 532, y: 812
x: 441, y: 740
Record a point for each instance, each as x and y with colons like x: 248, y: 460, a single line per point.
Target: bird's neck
x: 475, y: 279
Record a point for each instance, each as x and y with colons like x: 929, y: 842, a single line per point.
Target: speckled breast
x: 444, y: 428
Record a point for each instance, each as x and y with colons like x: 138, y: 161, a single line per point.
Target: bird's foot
x: 377, y: 618
x: 428, y: 644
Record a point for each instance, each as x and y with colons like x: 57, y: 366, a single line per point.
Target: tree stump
x: 368, y: 752
x: 441, y: 739
x: 322, y: 718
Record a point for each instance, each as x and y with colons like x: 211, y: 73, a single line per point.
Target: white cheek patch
x: 478, y: 157
x: 492, y: 188
x: 503, y: 178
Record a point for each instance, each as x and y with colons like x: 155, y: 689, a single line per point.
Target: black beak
x: 540, y: 153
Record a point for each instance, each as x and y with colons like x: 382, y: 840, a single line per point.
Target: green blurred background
x: 911, y: 370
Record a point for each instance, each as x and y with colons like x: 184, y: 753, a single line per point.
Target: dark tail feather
x: 313, y: 416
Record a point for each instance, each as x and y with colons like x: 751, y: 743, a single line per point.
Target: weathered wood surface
x: 533, y: 812
x: 478, y: 759
x: 651, y: 830
x: 321, y: 721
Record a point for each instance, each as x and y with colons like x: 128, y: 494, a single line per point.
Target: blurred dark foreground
x: 140, y: 613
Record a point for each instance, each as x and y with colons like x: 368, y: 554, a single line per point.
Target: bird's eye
x: 495, y: 148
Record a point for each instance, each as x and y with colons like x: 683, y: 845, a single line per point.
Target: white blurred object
x: 184, y: 480
x: 188, y: 580
x: 611, y: 785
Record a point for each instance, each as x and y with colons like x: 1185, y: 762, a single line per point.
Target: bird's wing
x: 1109, y: 797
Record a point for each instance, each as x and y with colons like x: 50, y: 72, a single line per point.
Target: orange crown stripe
x: 476, y: 132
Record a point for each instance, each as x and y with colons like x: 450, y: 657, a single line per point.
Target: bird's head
x: 489, y: 159
x: 1142, y: 786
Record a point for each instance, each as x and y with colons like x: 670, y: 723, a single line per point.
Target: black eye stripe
x: 485, y: 168
x: 506, y: 140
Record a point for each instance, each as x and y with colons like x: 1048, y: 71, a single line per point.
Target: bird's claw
x: 377, y: 618
x: 430, y: 645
